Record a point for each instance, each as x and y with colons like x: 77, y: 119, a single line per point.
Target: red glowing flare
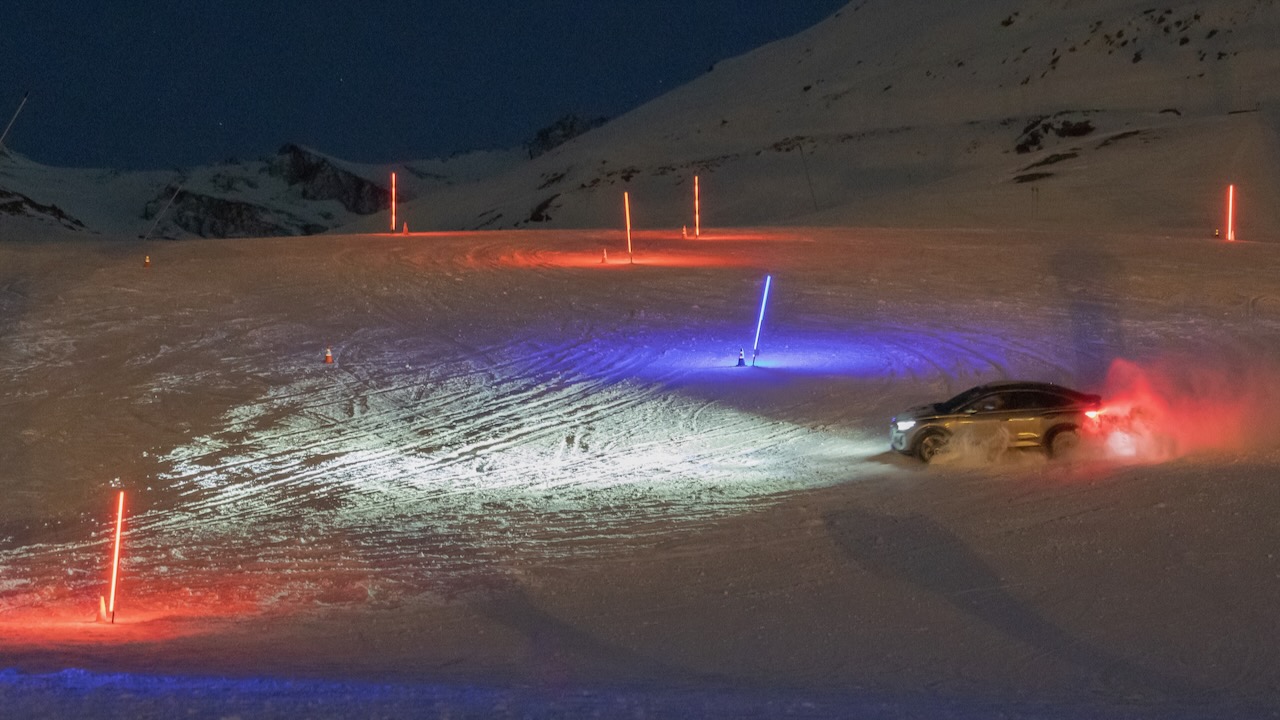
x: 697, y: 210
x: 393, y: 202
x: 115, y: 560
x: 626, y: 207
x: 1231, y: 211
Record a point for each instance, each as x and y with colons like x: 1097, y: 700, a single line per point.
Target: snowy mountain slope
x: 1107, y: 113
x: 1148, y: 109
x: 297, y: 191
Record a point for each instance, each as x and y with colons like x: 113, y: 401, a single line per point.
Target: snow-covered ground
x: 534, y: 484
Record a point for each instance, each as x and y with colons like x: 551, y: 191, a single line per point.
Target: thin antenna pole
x: 162, y: 211
x: 12, y: 120
x: 804, y: 161
x: 697, y: 210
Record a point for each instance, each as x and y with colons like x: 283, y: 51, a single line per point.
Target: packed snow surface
x: 533, y: 482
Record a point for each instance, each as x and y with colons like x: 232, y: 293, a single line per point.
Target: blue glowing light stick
x: 755, y: 348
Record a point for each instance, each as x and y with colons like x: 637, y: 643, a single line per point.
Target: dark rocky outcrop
x: 319, y: 179
x: 12, y: 203
x: 560, y: 132
x: 1039, y: 128
x: 208, y: 216
x: 539, y: 213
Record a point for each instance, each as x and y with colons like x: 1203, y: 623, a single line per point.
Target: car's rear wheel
x: 1064, y: 443
x: 930, y: 444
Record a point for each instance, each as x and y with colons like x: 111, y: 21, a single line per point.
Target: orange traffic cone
x: 684, y: 231
x: 146, y: 261
x: 102, y: 610
x: 406, y: 228
x: 604, y: 255
x: 742, y: 358
x: 328, y: 356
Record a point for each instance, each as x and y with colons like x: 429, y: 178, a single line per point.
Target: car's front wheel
x: 930, y: 444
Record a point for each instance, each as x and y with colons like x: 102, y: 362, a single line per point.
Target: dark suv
x: 1011, y: 414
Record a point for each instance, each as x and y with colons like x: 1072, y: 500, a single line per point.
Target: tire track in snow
x: 557, y: 387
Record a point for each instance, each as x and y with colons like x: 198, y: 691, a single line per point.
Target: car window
x: 1037, y: 400
x: 963, y: 401
x: 988, y: 403
x: 1028, y: 400
x: 1054, y: 400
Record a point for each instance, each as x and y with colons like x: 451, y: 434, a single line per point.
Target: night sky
x: 135, y: 84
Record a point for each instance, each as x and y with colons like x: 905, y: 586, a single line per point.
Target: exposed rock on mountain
x: 209, y: 216
x: 296, y: 192
x: 17, y: 204
x: 318, y: 178
x: 560, y: 132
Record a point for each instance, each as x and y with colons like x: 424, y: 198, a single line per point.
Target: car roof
x: 1029, y: 385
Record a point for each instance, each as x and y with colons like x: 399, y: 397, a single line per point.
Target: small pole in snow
x: 14, y: 119
x: 755, y: 348
x: 160, y: 214
x: 805, y: 162
x: 393, y: 202
x: 1231, y: 213
x: 626, y: 208
x: 115, y: 561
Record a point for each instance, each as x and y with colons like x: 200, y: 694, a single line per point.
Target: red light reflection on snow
x: 157, y: 618
x: 746, y: 236
x: 1173, y: 408
x: 619, y: 259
